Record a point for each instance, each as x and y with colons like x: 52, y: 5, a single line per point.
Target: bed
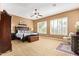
x: 23, y: 33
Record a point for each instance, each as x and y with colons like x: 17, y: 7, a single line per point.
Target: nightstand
x: 13, y: 36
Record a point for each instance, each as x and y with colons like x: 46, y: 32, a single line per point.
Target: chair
x: 67, y: 39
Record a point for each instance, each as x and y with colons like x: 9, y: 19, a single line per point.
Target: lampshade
x: 77, y: 24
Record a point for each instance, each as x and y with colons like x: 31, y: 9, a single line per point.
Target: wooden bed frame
x: 29, y: 38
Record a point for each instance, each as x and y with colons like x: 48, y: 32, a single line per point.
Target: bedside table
x: 13, y: 36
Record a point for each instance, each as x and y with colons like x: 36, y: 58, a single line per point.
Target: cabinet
x: 75, y: 44
x: 5, y: 32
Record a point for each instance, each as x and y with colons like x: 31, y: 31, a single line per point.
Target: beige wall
x: 73, y: 17
x: 15, y: 20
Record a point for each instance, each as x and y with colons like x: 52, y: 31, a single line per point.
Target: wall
x: 73, y: 17
x: 15, y: 20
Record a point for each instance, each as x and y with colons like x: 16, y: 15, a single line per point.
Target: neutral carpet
x: 45, y: 46
x: 65, y: 48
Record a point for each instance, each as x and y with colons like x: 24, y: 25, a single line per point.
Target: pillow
x: 20, y: 31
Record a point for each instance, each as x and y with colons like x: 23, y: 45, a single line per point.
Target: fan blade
x: 40, y: 15
x: 32, y: 15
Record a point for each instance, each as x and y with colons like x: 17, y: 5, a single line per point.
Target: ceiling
x: 46, y: 9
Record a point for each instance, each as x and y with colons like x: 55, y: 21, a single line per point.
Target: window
x: 42, y: 27
x: 59, y: 26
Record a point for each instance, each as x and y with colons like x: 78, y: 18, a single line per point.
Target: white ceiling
x: 46, y: 9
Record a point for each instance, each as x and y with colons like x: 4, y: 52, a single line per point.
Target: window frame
x: 61, y: 19
x: 45, y: 27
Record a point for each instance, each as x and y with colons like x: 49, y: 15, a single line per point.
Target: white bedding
x: 24, y: 34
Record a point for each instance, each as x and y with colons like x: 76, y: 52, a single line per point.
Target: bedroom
x: 49, y: 23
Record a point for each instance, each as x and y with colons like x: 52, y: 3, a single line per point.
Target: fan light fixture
x: 36, y: 14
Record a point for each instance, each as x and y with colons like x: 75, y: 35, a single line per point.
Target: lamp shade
x: 77, y: 24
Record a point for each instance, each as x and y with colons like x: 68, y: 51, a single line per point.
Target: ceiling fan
x: 36, y: 14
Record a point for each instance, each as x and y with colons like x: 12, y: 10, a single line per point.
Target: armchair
x: 67, y: 39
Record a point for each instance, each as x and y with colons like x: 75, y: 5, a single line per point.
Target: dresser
x: 75, y: 44
x: 5, y: 32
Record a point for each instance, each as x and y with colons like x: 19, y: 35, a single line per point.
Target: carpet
x: 65, y: 48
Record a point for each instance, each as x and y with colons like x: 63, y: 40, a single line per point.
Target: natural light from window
x: 42, y: 27
x: 59, y: 26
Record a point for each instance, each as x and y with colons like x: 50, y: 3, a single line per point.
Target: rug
x: 65, y: 48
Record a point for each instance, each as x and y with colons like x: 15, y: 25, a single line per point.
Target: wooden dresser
x: 75, y: 44
x: 5, y: 32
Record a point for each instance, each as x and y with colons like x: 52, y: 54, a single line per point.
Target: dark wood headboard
x: 21, y: 28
